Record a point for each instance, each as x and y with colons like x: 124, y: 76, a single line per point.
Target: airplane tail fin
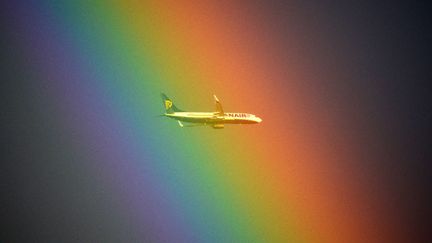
x: 169, y: 105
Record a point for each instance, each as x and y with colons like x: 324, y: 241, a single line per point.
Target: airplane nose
x: 259, y: 120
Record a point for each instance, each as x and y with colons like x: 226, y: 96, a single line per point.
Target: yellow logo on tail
x: 168, y: 104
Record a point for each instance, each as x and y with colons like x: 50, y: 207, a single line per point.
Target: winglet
x: 219, y: 109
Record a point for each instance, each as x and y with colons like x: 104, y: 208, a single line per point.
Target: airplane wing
x: 219, y: 110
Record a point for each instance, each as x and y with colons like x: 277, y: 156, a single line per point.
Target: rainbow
x: 105, y: 63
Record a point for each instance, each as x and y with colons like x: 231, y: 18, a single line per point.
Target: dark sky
x: 376, y: 57
x: 381, y: 51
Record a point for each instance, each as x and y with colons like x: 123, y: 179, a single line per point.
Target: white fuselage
x: 215, y: 117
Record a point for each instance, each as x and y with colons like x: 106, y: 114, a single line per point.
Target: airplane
x: 216, y: 119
